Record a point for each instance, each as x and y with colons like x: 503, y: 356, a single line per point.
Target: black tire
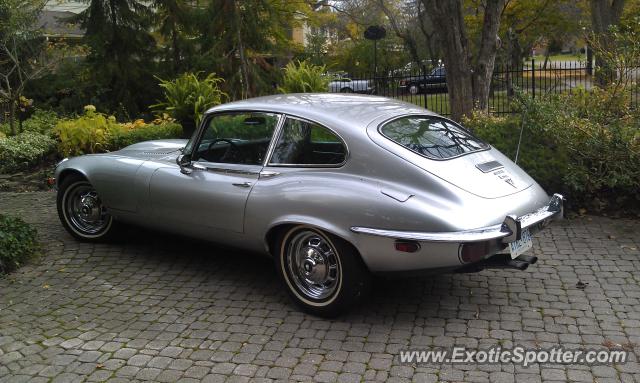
x: 413, y: 89
x: 70, y: 186
x: 346, y: 90
x: 353, y: 280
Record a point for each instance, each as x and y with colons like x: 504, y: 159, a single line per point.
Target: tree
x: 23, y: 51
x: 172, y: 20
x: 526, y: 23
x: 121, y: 52
x: 468, y: 73
x: 604, y: 15
x: 317, y: 46
x: 355, y: 54
x: 398, y: 19
x: 241, y: 39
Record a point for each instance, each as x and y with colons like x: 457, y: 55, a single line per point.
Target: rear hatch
x: 487, y: 174
x: 448, y: 151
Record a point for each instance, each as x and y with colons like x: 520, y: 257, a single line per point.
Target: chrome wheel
x: 313, y: 265
x: 84, y: 210
x: 413, y: 89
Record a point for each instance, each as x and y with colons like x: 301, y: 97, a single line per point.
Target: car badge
x: 510, y: 182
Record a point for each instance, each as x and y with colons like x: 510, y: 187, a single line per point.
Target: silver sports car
x: 334, y: 187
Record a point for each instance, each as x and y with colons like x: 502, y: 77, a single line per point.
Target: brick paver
x: 155, y: 307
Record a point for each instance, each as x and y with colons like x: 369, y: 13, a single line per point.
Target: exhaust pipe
x: 500, y: 261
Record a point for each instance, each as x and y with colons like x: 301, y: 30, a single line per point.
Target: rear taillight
x: 407, y: 246
x: 474, y: 251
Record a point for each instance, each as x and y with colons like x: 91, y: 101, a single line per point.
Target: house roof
x: 55, y: 24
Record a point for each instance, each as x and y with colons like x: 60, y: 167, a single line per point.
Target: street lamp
x: 375, y: 33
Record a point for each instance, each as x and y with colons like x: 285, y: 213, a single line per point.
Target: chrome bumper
x: 509, y: 230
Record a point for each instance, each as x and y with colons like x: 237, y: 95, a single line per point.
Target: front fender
x: 113, y: 177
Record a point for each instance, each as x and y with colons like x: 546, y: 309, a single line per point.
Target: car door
x: 226, y: 159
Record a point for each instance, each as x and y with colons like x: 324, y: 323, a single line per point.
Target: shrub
x: 86, y: 134
x: 304, y: 78
x: 539, y: 156
x: 585, y: 145
x: 41, y: 121
x: 24, y: 150
x: 145, y: 132
x: 187, y: 97
x: 97, y: 133
x: 18, y: 243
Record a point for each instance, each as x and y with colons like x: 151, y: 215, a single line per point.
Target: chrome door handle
x: 242, y: 184
x: 268, y: 174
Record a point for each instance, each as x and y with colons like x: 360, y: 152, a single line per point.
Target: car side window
x: 306, y: 143
x: 236, y: 138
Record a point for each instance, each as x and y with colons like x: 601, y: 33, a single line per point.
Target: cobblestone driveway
x: 159, y: 308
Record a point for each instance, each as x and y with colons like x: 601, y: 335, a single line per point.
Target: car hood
x: 157, y: 149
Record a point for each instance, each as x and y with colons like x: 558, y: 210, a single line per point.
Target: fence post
x: 533, y: 77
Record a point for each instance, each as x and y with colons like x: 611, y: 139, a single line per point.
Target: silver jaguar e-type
x: 335, y: 187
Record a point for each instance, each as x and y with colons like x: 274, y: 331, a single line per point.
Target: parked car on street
x: 433, y: 82
x: 347, y: 85
x: 334, y: 187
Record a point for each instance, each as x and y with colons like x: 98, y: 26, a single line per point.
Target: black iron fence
x: 428, y: 88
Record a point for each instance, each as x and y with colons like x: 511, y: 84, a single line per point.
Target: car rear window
x: 432, y: 137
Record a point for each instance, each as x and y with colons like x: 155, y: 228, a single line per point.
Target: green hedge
x: 539, y: 155
x: 41, y: 121
x: 18, y: 243
x: 585, y: 145
x: 95, y: 132
x: 25, y: 150
x: 166, y: 130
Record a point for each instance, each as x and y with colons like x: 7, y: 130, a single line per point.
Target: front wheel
x: 81, y: 211
x: 323, y: 273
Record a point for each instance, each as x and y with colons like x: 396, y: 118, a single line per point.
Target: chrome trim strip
x: 217, y: 169
x: 486, y: 167
x: 274, y: 139
x: 506, y: 230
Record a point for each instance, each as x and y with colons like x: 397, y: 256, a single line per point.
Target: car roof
x: 336, y: 110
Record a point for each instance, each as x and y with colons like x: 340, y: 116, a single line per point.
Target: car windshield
x: 431, y: 136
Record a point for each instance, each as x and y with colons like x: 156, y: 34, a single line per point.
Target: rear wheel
x: 323, y: 273
x: 346, y: 90
x: 414, y: 89
x: 81, y: 211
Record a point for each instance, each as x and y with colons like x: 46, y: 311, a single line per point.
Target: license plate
x: 520, y: 246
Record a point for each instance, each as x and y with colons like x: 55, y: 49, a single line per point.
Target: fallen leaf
x: 45, y: 286
x: 610, y: 345
x: 612, y: 236
x: 100, y: 365
x: 582, y: 211
x: 629, y: 346
x: 581, y: 285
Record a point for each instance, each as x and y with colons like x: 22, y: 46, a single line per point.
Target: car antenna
x: 519, y: 139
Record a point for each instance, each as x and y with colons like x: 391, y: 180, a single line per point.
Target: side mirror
x: 184, y: 161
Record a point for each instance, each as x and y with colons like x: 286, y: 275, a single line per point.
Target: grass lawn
x: 439, y: 102
x: 559, y: 57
